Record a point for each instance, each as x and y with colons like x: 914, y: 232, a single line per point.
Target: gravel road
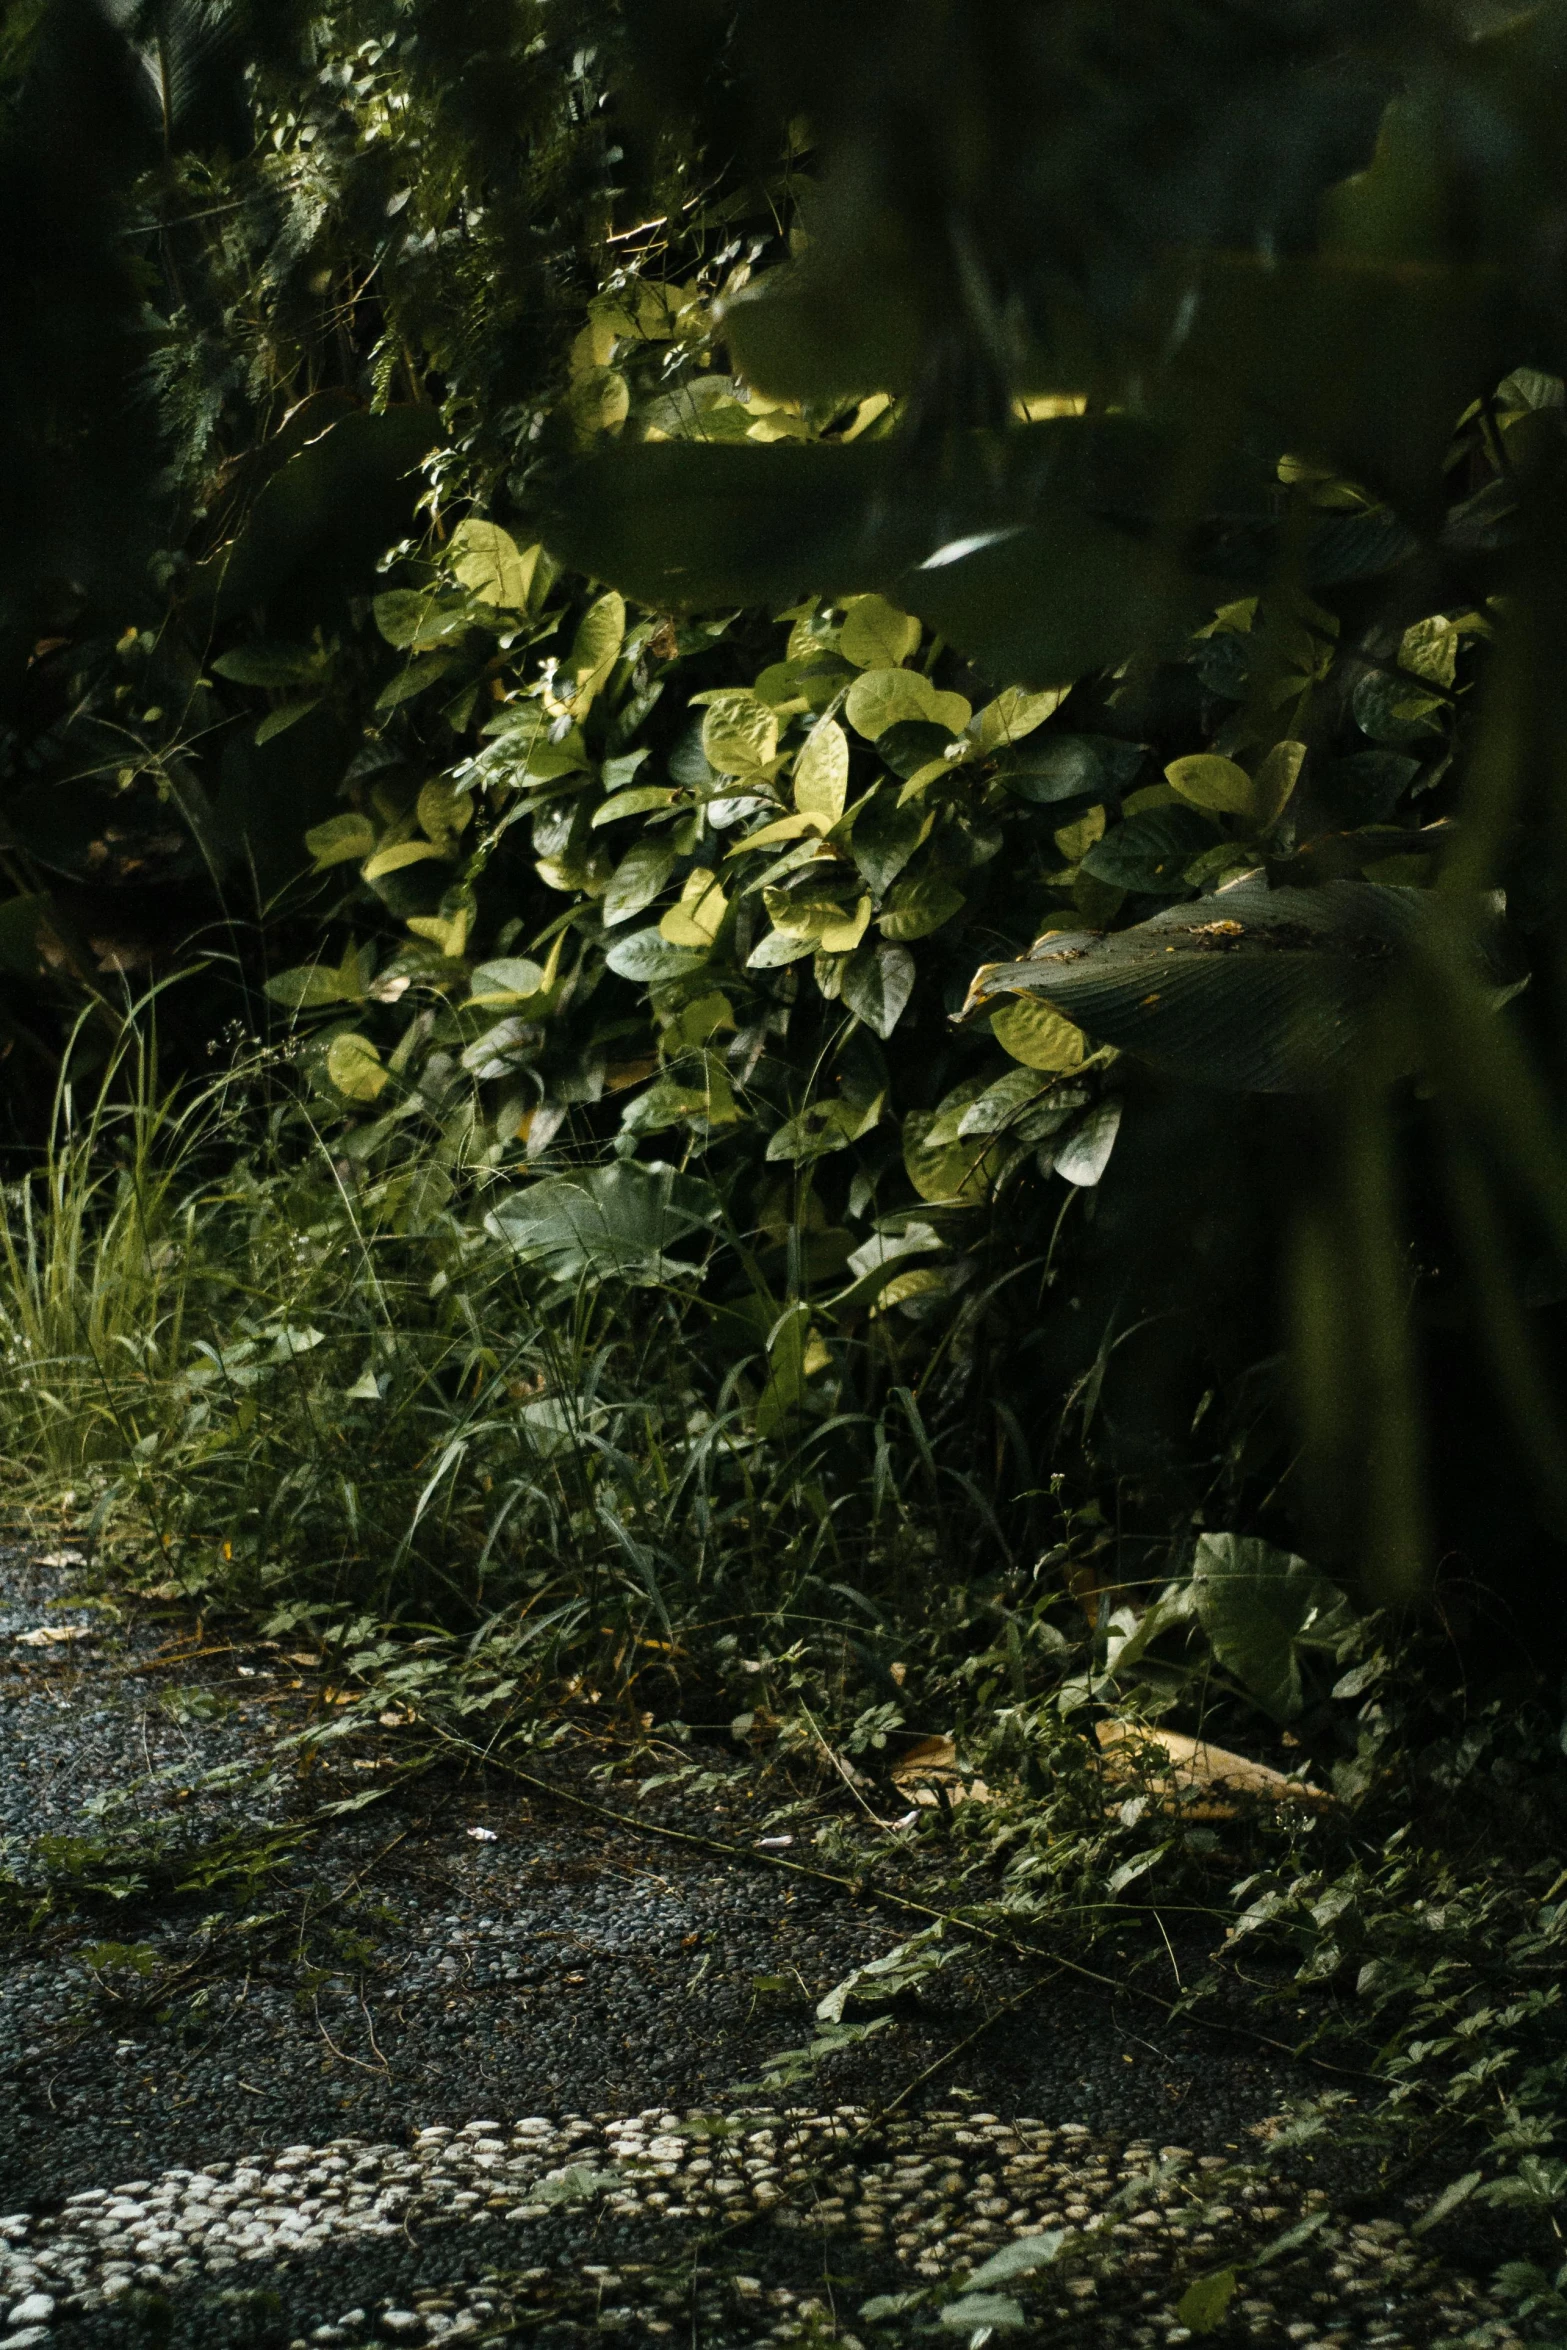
x: 463, y: 2064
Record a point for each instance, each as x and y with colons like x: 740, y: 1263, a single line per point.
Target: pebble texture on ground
x: 420, y: 2084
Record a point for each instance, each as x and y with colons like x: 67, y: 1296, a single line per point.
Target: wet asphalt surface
x: 448, y: 2061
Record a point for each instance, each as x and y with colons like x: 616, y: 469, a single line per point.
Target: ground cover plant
x: 785, y: 807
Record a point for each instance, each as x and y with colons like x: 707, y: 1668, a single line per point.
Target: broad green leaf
x: 823, y: 1127
x: 509, y: 979
x: 287, y: 714
x: 1002, y: 1103
x: 1204, y: 2304
x: 939, y: 1163
x: 876, y: 635
x: 423, y: 671
x: 780, y: 947
x: 413, y: 618
x: 842, y: 937
x: 1050, y: 593
x: 1263, y: 990
x: 1020, y: 2258
x: 272, y: 665
x: 1072, y: 767
x: 1207, y: 781
x: 354, y: 1066
x: 1260, y: 1607
x: 401, y: 853
x: 773, y: 835
x: 918, y: 747
x: 982, y: 2313
x: 804, y: 916
x: 619, y: 1222
x: 821, y: 774
x: 1075, y: 840
x: 596, y: 646
x: 1430, y: 649
x: 1012, y: 715
x: 880, y: 698
x: 739, y: 732
x: 599, y: 401
x: 1391, y: 710
x: 877, y: 985
x: 637, y: 802
x: 442, y: 810
x: 650, y: 959
x: 302, y: 989
x: 1037, y: 1036
x: 917, y: 907
x: 501, y: 1049
x: 1086, y: 1153
x: 341, y: 840
x: 698, y: 917
x: 885, y: 837
x: 1149, y: 852
x: 1274, y: 783
x: 638, y: 879
x: 490, y: 564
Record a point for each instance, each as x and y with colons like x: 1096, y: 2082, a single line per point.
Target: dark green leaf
x: 912, y: 744
x: 1150, y: 851
x: 1071, y: 767
x: 1264, y: 990
x: 1260, y: 1607
x: 616, y: 1222
x: 877, y: 984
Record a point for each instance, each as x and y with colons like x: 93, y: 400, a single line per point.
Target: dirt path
x: 462, y: 2063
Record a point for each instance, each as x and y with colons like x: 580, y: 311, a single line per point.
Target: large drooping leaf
x: 1257, y: 990
x: 1260, y: 1607
x: 326, y: 514
x: 613, y: 1223
x: 1034, y: 549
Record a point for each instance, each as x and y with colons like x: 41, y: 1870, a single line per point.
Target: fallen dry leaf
x: 1189, y: 1775
x: 929, y: 1769
x: 1178, y: 1773
x: 53, y: 1635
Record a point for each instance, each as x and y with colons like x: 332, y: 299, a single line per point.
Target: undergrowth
x: 503, y: 1495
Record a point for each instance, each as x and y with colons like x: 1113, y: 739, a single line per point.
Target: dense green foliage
x: 783, y: 806
x: 707, y: 882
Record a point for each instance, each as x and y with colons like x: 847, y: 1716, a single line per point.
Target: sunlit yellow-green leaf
x: 1075, y: 840
x: 821, y: 774
x: 739, y: 732
x: 1014, y: 714
x: 876, y: 635
x: 1205, y: 2302
x: 786, y: 828
x: 1036, y: 1035
x: 880, y: 698
x: 443, y: 811
x: 599, y: 400
x: 841, y: 938
x: 401, y: 853
x: 354, y: 1066
x: 696, y: 919
x: 490, y: 565
x: 1207, y: 781
x: 341, y: 840
x: 596, y: 646
x: 1274, y: 783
